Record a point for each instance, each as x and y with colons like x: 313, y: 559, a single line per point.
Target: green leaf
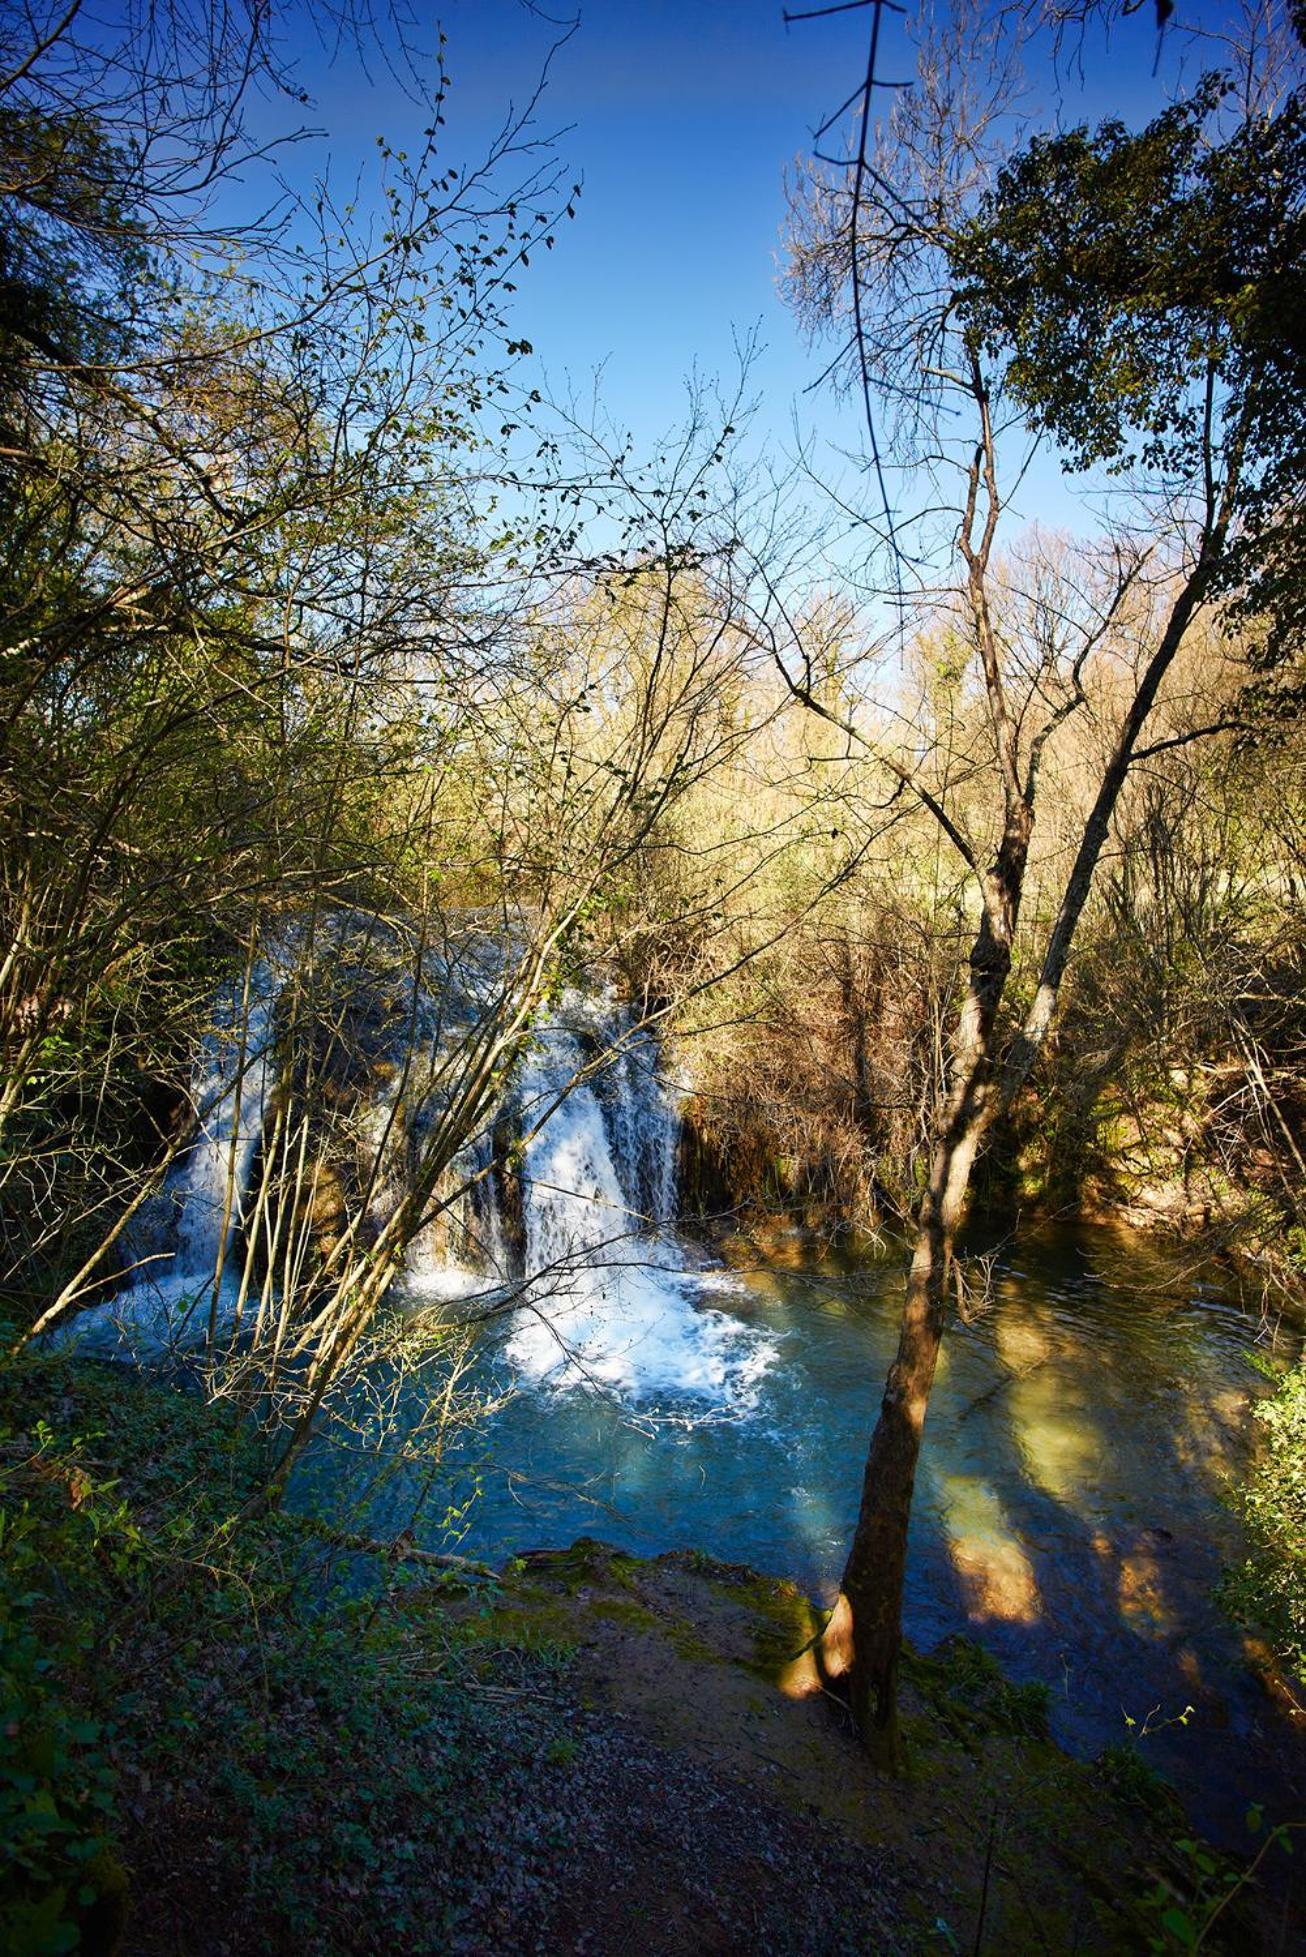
x: 1181, y: 1927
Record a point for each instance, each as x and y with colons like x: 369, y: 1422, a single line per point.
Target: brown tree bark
x: 885, y: 242
x: 862, y: 1641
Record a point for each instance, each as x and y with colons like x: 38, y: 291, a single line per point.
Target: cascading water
x: 607, y: 1297
x: 206, y: 1193
x: 643, y: 1125
x: 212, y: 1186
x: 462, y: 1250
x: 610, y: 1301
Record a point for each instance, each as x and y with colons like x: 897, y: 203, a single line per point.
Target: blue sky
x: 681, y: 121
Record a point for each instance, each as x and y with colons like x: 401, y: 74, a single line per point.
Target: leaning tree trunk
x: 861, y: 1643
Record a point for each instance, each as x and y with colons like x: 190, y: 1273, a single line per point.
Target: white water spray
x: 608, y: 1300
x: 207, y: 1192
x: 611, y: 1301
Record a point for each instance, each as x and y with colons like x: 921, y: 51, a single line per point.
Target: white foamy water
x: 170, y: 1301
x: 610, y: 1303
x: 608, y: 1297
x: 462, y: 1251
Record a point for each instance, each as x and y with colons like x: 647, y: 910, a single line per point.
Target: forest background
x: 330, y: 638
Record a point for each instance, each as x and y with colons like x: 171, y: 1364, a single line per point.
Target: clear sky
x: 681, y: 121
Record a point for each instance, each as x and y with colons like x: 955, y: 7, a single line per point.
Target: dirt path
x: 710, y: 1797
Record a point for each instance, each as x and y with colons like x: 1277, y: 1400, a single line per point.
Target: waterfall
x: 222, y: 1154
x: 462, y: 1250
x: 206, y: 1191
x: 611, y: 1301
x: 607, y: 1295
x: 643, y: 1123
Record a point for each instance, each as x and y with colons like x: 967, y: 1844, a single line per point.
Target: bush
x: 1267, y: 1592
x: 62, y: 1887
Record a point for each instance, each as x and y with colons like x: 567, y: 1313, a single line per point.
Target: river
x: 1071, y: 1511
x: 1091, y: 1413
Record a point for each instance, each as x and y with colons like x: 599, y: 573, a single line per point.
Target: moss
x: 688, y: 1644
x: 784, y: 1619
x: 586, y: 1563
x: 964, y: 1688
x: 532, y: 1622
x: 625, y: 1611
x: 785, y: 1627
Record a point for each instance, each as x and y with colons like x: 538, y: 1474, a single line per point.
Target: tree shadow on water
x: 1078, y: 1535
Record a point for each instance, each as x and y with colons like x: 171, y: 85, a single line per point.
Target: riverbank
x: 994, y: 1840
x: 227, y: 1740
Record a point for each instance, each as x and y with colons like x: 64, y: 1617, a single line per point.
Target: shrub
x: 1267, y: 1592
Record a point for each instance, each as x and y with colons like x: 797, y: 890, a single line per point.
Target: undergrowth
x: 205, y: 1742
x: 1267, y: 1591
x: 966, y: 1691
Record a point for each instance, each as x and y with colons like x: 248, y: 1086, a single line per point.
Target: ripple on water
x: 1069, y: 1507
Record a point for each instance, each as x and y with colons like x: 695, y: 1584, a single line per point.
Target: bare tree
x: 975, y: 320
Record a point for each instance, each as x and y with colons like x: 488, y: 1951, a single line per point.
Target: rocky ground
x: 709, y: 1796
x: 601, y: 1755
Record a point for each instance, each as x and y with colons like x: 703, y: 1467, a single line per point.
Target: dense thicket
x: 301, y: 664
x: 1169, y: 1092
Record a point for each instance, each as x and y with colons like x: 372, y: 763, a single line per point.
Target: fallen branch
x: 402, y: 1550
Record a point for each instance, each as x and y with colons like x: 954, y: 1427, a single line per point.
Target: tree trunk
x: 862, y: 1640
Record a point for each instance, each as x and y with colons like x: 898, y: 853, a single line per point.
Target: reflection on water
x: 996, y: 1576
x: 1069, y: 1508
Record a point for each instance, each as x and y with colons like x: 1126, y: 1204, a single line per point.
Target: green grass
x: 966, y: 1691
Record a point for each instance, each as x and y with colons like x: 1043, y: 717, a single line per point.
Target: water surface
x: 1071, y: 1510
